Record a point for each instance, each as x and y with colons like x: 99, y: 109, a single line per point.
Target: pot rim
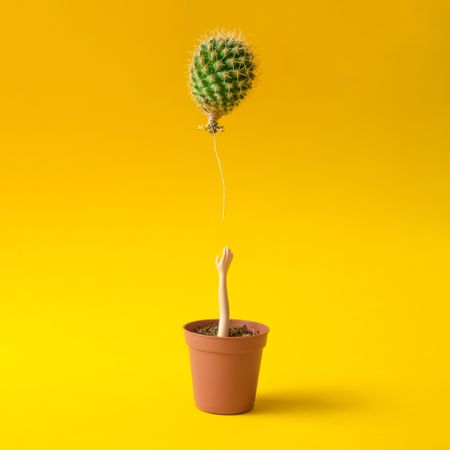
x: 233, y: 338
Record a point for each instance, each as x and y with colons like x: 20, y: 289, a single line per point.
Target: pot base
x: 220, y: 413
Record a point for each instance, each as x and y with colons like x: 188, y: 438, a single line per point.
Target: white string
x: 221, y: 176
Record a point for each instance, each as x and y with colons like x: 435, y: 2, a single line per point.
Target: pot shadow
x: 326, y: 401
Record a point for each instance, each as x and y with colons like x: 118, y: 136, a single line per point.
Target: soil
x: 212, y: 328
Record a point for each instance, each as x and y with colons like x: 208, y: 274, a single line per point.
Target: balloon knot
x: 212, y: 126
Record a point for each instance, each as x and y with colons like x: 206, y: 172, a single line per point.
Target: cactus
x: 221, y: 73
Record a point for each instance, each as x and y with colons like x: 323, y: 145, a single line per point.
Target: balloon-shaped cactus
x: 221, y: 73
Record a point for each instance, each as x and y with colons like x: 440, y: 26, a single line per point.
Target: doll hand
x: 224, y: 263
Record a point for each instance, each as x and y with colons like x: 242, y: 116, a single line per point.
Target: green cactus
x: 221, y: 72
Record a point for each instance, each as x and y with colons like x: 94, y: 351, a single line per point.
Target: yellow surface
x: 338, y: 176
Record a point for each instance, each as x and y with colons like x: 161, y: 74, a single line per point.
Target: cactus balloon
x: 221, y: 73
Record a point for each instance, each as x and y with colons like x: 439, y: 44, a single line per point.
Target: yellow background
x: 338, y: 180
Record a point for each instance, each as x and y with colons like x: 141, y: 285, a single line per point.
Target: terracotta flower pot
x: 225, y: 369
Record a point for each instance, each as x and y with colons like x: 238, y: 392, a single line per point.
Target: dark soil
x: 212, y: 328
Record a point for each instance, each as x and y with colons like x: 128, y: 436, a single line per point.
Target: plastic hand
x: 224, y: 263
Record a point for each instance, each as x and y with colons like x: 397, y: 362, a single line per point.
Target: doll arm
x: 222, y: 267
